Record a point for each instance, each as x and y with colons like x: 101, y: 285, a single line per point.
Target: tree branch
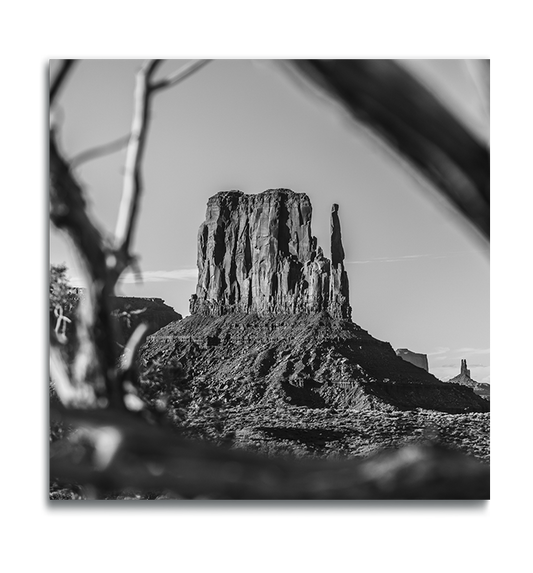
x: 97, y: 354
x: 96, y: 361
x: 132, y: 189
x: 179, y: 75
x: 99, y: 151
x: 130, y: 350
x: 152, y: 458
x: 58, y: 81
x: 404, y: 114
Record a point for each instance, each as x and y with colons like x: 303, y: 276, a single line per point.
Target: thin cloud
x: 161, y: 276
x: 439, y: 351
x: 189, y: 275
x: 401, y: 259
x: 469, y: 350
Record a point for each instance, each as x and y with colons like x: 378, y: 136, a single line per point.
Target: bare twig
x: 61, y: 324
x: 136, y: 339
x: 179, y: 75
x: 58, y: 81
x: 132, y: 190
x: 100, y: 151
x: 96, y: 361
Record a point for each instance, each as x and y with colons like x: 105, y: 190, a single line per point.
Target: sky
x: 419, y: 277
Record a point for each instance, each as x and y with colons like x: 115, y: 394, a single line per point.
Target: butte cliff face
x: 271, y: 321
x: 420, y: 360
x: 257, y: 254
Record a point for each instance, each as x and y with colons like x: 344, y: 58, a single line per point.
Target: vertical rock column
x: 339, y: 296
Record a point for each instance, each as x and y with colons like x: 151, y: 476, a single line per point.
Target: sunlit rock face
x: 257, y: 254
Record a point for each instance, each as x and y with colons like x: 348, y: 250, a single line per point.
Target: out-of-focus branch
x: 133, y: 188
x: 136, y: 339
x: 145, y: 457
x: 95, y: 365
x: 96, y: 357
x: 99, y: 151
x: 179, y: 75
x: 392, y: 103
x: 59, y: 79
x: 479, y: 71
x: 68, y: 392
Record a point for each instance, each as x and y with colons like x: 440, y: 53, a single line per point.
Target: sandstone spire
x: 256, y: 254
x: 339, y: 299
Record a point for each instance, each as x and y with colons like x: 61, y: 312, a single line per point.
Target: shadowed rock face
x: 130, y: 311
x: 420, y: 360
x: 257, y: 254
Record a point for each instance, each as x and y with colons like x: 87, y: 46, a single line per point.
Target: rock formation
x: 312, y: 360
x: 463, y: 378
x: 130, y: 311
x: 420, y: 360
x: 271, y: 322
x: 127, y: 312
x: 256, y: 254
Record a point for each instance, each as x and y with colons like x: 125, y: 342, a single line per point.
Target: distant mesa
x: 271, y: 320
x: 463, y: 378
x: 130, y: 311
x: 420, y: 360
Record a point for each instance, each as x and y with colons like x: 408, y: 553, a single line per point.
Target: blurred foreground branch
x: 115, y: 451
x: 412, y: 121
x: 96, y: 378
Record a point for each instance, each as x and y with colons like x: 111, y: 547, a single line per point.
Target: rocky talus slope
x: 304, y: 359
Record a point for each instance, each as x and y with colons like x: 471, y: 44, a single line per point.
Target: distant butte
x: 416, y: 358
x: 480, y: 388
